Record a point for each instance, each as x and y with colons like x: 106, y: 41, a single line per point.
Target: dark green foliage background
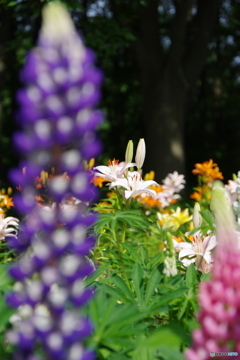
x: 212, y: 128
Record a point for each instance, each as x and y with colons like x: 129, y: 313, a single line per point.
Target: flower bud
x: 197, y: 219
x: 170, y: 268
x: 129, y: 152
x: 234, y: 176
x: 140, y: 154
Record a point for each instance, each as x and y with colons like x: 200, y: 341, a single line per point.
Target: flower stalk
x: 219, y: 297
x: 58, y: 130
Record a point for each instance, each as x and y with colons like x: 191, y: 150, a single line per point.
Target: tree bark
x: 5, y: 34
x: 168, y: 80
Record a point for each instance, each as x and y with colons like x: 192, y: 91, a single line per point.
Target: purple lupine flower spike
x: 58, y: 120
x: 219, y: 297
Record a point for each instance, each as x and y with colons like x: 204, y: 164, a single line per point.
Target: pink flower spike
x: 219, y: 298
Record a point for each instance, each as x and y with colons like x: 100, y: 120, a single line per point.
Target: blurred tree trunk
x: 169, y: 76
x: 5, y: 35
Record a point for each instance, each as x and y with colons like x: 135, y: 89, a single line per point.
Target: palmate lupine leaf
x: 137, y: 278
x: 165, y: 341
x: 168, y: 298
x: 116, y: 325
x: 118, y: 281
x: 90, y: 279
x: 128, y: 262
x: 132, y: 252
x: 153, y: 281
x: 132, y: 218
x: 157, y: 260
x: 117, y: 294
x: 191, y: 276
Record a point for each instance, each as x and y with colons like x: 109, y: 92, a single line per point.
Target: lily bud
x: 197, y: 219
x: 129, y: 152
x: 234, y: 176
x: 140, y: 154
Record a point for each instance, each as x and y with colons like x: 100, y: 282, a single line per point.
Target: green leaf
x: 132, y: 251
x: 5, y: 313
x: 185, y: 238
x: 5, y: 280
x: 152, y: 283
x: 133, y: 218
x: 118, y: 281
x: 137, y: 277
x: 144, y: 255
x: 205, y: 277
x: 104, y: 318
x: 183, y: 309
x: 118, y: 357
x: 121, y: 312
x: 169, y: 353
x: 191, y: 275
x: 96, y: 304
x: 166, y: 299
x: 12, y: 3
x: 129, y: 36
x: 158, y: 259
x: 118, y: 294
x: 133, y: 331
x: 168, y: 335
x: 208, y: 217
x: 124, y: 315
x: 90, y: 279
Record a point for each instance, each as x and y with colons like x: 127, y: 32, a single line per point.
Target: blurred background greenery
x: 172, y: 76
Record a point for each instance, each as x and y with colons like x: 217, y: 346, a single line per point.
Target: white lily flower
x: 200, y: 246
x: 113, y: 171
x: 5, y: 230
x: 134, y: 185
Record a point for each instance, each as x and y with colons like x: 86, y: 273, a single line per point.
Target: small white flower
x: 231, y: 189
x: 166, y: 197
x: 5, y: 230
x: 174, y: 181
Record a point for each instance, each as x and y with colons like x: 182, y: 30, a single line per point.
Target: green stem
x: 120, y: 258
x: 123, y: 233
x: 122, y: 265
x: 128, y: 202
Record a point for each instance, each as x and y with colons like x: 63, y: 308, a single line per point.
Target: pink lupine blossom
x: 219, y: 297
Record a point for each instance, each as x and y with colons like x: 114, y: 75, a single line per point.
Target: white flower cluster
x: 128, y: 183
x: 172, y: 185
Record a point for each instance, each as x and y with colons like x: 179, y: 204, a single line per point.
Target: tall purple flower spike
x: 219, y: 298
x: 58, y: 120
